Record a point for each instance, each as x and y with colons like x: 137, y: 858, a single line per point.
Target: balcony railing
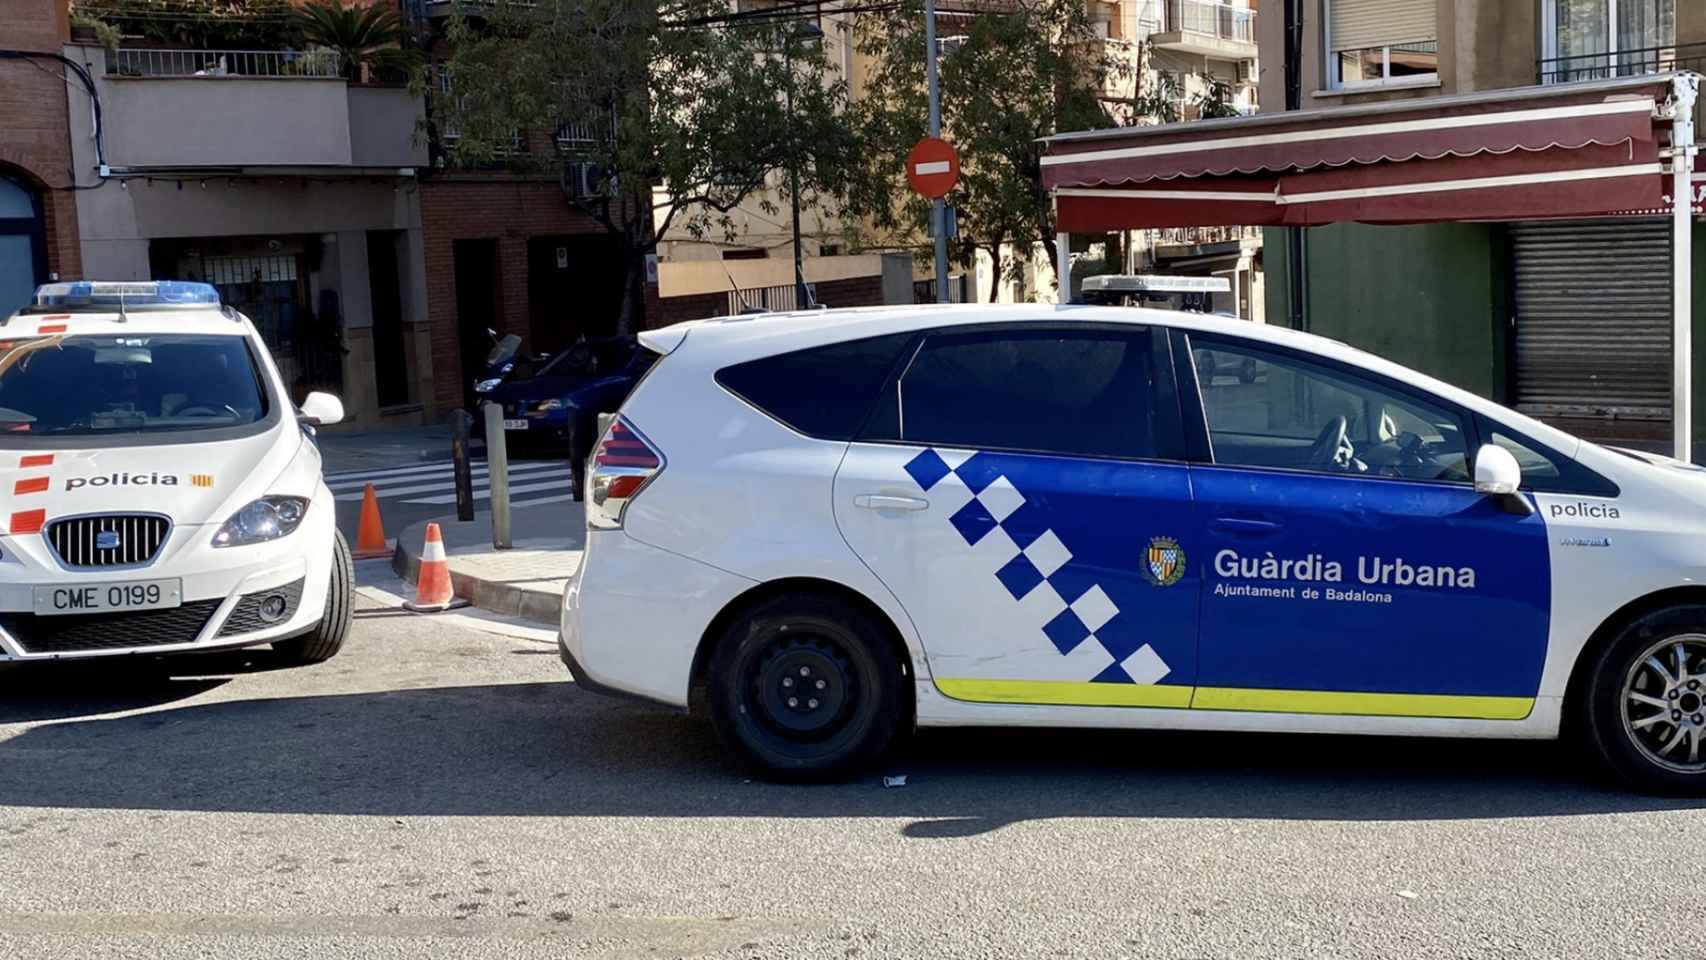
x: 1624, y: 63
x: 1209, y: 19
x: 140, y: 62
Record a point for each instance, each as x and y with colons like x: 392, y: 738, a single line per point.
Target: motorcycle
x: 501, y: 362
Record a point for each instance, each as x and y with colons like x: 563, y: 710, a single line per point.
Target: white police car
x: 842, y: 523
x: 159, y: 492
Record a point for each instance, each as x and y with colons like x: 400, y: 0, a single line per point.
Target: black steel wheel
x: 806, y: 687
x: 1645, y: 703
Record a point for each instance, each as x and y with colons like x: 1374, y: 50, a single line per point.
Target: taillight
x: 621, y: 466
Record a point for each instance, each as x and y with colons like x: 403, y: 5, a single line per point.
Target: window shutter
x: 1360, y: 24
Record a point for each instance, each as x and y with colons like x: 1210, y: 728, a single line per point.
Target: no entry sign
x: 932, y: 168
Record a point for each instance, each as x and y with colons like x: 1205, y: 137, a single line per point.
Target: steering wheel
x: 1332, y: 448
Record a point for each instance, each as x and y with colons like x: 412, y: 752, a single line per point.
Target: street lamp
x: 806, y: 32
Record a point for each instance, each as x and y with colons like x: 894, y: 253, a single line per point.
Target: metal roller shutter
x: 1593, y: 317
x: 1360, y: 24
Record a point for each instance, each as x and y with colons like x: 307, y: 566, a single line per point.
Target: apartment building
x: 271, y: 175
x: 38, y: 219
x: 1568, y: 320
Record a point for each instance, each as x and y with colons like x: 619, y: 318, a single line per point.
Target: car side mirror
x: 1497, y: 474
x: 322, y: 409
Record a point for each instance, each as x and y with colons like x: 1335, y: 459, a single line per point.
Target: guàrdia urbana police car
x: 159, y: 491
x: 842, y: 523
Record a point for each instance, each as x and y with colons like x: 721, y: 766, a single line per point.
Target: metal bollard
x: 461, y: 423
x: 497, y: 466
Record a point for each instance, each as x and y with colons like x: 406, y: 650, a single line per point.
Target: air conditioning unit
x: 588, y: 179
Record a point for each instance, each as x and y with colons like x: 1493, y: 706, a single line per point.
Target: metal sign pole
x: 938, y: 207
x: 1682, y: 271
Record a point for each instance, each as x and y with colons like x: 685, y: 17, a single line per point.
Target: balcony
x: 1624, y: 63
x: 1207, y: 29
x: 251, y: 109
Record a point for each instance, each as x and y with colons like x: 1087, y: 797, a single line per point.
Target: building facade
x: 290, y: 188
x: 1569, y: 321
x: 38, y: 219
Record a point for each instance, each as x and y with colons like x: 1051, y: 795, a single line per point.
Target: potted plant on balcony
x: 364, y: 38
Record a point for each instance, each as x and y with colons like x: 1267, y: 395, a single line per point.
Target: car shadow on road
x: 548, y: 749
x: 35, y: 692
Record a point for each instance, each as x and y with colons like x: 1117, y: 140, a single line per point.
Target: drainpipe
x: 1297, y: 243
x: 1682, y: 265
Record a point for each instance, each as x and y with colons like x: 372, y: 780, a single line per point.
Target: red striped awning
x: 1570, y: 150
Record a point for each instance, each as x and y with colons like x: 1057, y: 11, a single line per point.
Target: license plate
x: 515, y: 424
x: 109, y: 597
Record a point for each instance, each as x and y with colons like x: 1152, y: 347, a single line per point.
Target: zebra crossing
x: 530, y: 482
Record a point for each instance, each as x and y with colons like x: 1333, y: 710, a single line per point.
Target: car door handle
x: 874, y: 501
x: 1245, y: 526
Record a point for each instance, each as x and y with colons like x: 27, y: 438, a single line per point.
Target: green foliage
x: 1025, y: 70
x: 671, y: 95
x: 105, y: 33
x: 360, y: 36
x: 194, y: 24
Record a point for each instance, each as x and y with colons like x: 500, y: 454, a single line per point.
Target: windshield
x: 84, y: 386
x: 597, y: 358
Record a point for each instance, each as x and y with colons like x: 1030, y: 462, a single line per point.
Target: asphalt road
x: 444, y: 791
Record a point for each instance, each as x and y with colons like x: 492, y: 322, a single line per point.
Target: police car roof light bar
x: 96, y: 296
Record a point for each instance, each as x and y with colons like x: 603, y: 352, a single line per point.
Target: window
x: 1599, y: 39
x: 1271, y: 410
x: 83, y: 386
x: 1080, y: 393
x: 1373, y: 42
x: 823, y: 392
x: 1544, y: 470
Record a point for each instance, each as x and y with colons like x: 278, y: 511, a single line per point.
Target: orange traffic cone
x: 432, y: 587
x: 370, y: 534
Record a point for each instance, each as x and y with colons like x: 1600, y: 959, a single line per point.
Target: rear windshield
x: 68, y: 386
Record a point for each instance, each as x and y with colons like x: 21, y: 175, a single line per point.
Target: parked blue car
x: 557, y: 408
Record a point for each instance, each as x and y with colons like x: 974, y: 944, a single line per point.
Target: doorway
x: 390, y: 352
x: 574, y: 289
x: 474, y: 264
x: 23, y: 244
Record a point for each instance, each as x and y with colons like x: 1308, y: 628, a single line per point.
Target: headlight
x: 545, y: 406
x: 487, y: 386
x: 266, y: 519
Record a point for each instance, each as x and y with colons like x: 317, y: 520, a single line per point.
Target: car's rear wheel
x: 1645, y: 702
x: 327, y: 638
x: 806, y: 687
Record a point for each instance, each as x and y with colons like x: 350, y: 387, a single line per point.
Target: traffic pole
x: 461, y: 423
x: 938, y: 206
x: 497, y: 474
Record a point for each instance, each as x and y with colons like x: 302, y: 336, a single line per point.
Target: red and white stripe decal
x: 36, y: 460
x: 51, y: 328
x: 28, y: 521
x: 30, y: 485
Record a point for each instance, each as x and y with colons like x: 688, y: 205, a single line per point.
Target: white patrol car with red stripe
x: 159, y: 491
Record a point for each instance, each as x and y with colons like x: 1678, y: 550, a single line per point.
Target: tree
x: 680, y: 105
x: 361, y: 36
x: 1022, y: 70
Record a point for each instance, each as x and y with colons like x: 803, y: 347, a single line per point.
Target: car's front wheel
x: 327, y: 638
x: 806, y: 687
x: 1645, y: 702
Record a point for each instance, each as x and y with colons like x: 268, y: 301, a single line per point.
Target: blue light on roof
x: 95, y: 293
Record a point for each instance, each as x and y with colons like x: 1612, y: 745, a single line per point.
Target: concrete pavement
x: 525, y: 581
x: 443, y: 791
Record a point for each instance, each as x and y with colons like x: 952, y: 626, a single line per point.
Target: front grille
x: 246, y: 615
x: 76, y: 633
x: 77, y: 541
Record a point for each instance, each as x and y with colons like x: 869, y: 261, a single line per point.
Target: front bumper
x: 223, y: 594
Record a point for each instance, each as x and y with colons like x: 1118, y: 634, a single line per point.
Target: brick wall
x: 35, y: 145
x: 495, y: 207
x: 852, y: 292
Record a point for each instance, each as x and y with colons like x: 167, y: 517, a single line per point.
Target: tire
x: 807, y: 644
x: 327, y: 638
x: 1643, y: 715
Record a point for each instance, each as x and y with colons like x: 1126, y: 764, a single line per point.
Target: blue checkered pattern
x: 1041, y: 557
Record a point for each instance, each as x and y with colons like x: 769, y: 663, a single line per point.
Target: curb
x: 535, y: 605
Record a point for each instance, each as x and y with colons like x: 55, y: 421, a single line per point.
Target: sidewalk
x: 525, y: 581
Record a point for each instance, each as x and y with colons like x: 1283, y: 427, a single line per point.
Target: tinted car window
x: 1083, y: 393
x: 144, y: 383
x: 1274, y: 410
x: 823, y: 392
x: 1545, y: 470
